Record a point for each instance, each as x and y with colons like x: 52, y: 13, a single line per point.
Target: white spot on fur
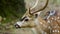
x: 53, y: 31
x: 48, y: 21
x: 41, y: 23
x: 58, y: 31
x: 58, y: 17
x: 52, y: 18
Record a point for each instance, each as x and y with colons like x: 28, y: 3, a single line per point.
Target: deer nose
x: 17, y: 26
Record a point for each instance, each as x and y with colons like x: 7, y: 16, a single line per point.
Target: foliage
x: 12, y: 9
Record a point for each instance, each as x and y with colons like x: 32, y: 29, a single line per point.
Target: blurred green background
x: 10, y: 10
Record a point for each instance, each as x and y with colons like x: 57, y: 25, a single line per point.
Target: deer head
x: 31, y: 19
x: 34, y: 21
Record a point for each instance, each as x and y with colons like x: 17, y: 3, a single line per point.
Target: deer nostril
x: 17, y: 26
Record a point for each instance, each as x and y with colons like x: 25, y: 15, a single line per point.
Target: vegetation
x: 10, y: 10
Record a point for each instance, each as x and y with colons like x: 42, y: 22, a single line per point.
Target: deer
x: 34, y: 21
x: 54, y: 20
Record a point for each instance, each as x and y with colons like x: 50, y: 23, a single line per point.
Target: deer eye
x: 26, y: 19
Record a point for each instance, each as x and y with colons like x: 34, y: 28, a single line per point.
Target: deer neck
x: 41, y: 26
